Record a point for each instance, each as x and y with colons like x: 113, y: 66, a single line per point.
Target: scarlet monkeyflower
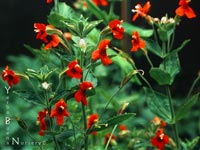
x: 141, y: 11
x: 100, y: 2
x: 40, y: 28
x: 124, y: 132
x: 100, y: 53
x: 41, y: 120
x: 10, y: 76
x: 116, y: 28
x: 137, y: 42
x: 59, y: 111
x: 92, y: 119
x: 160, y: 139
x: 74, y: 70
x: 185, y: 9
x: 49, y: 1
x: 112, y: 141
x: 80, y: 95
x: 53, y: 43
x: 157, y: 121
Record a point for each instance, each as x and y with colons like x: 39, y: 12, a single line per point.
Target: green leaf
x: 154, y: 47
x: 183, y: 110
x: 111, y: 122
x: 158, y: 104
x: 64, y: 135
x: 129, y: 28
x: 162, y: 77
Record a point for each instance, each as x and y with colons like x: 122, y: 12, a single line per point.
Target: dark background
x: 18, y: 16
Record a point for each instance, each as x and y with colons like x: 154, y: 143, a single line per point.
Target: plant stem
x: 174, y: 125
x: 149, y: 60
x: 193, y: 85
x: 113, y: 130
x: 85, y: 128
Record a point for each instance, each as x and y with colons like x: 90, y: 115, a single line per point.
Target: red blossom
x: 59, y: 111
x: 137, y: 42
x: 112, y: 141
x: 160, y: 139
x: 74, y: 70
x: 53, y: 43
x: 40, y: 28
x: 100, y: 2
x: 10, y: 76
x: 100, y: 53
x: 141, y: 11
x: 80, y: 95
x: 185, y: 9
x: 49, y: 1
x: 116, y: 28
x: 92, y: 119
x: 41, y: 120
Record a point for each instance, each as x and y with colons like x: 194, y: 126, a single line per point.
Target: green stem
x: 193, y: 85
x: 34, y: 140
x: 149, y: 60
x: 56, y: 5
x: 74, y: 134
x: 113, y: 130
x: 85, y: 128
x: 174, y: 125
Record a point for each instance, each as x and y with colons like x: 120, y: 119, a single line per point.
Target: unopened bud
x: 21, y: 123
x: 82, y: 44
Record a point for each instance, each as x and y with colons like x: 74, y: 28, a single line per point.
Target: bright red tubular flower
x: 53, y: 43
x: 100, y: 2
x: 185, y: 9
x: 137, y: 42
x: 41, y: 120
x: 100, y: 53
x: 116, y: 28
x: 74, y: 70
x: 80, y: 95
x: 141, y: 11
x: 112, y: 141
x: 92, y: 119
x: 10, y: 76
x: 49, y: 1
x: 59, y: 111
x: 40, y: 28
x: 160, y: 139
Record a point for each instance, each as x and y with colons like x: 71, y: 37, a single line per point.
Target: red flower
x: 80, y: 95
x: 92, y: 119
x: 53, y: 43
x: 49, y: 1
x: 112, y: 141
x: 116, y: 29
x: 185, y: 9
x: 100, y: 2
x: 141, y: 11
x: 40, y: 28
x: 160, y: 139
x: 74, y: 70
x: 59, y: 111
x: 10, y: 76
x: 41, y: 120
x: 124, y: 132
x: 137, y: 42
x: 100, y: 53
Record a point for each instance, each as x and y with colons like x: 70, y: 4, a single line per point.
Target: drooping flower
x: 141, y: 11
x: 53, y: 43
x: 80, y: 95
x: 10, y: 76
x: 160, y: 139
x: 92, y: 119
x: 113, y: 140
x: 124, y: 132
x: 40, y: 29
x: 49, y: 1
x: 100, y: 2
x: 185, y: 9
x: 157, y: 121
x: 41, y: 119
x: 59, y: 111
x: 137, y: 42
x: 116, y: 28
x: 100, y: 53
x: 74, y: 70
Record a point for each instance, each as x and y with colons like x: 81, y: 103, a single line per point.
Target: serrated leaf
x: 186, y: 107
